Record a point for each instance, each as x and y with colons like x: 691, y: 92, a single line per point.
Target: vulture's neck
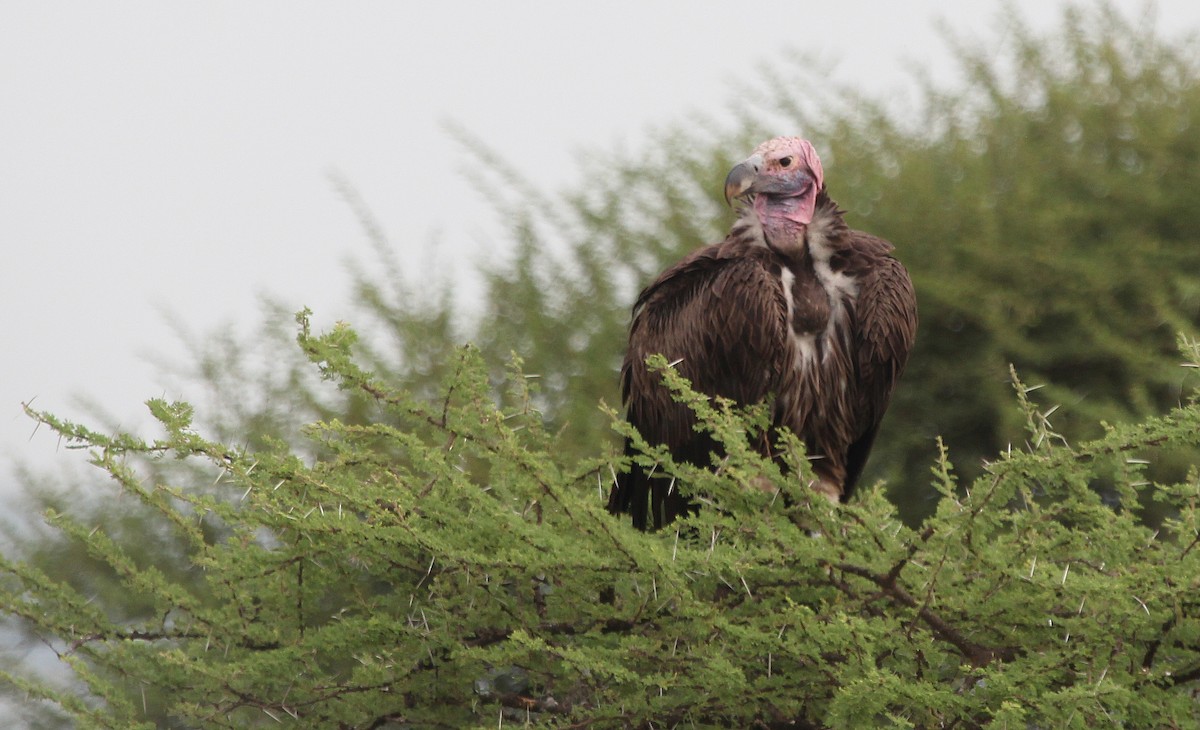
x: 791, y: 240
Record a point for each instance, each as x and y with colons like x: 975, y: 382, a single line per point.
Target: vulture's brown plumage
x: 793, y: 308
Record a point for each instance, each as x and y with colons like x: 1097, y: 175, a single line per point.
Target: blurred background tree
x: 1045, y: 203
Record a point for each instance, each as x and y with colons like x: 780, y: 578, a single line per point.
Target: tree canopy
x: 445, y: 566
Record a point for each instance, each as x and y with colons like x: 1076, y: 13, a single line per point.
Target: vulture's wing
x: 886, y: 315
x: 720, y: 316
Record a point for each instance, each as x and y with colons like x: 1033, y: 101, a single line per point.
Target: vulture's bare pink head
x: 780, y: 181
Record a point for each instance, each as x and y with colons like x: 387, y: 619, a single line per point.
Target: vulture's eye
x: 785, y: 162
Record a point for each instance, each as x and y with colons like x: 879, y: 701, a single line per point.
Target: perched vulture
x: 793, y: 308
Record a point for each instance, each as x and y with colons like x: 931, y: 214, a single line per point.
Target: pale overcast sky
x: 170, y: 155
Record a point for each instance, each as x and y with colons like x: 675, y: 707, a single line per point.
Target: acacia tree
x: 451, y: 567
x: 1043, y: 208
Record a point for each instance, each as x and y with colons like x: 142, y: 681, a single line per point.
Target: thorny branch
x: 978, y: 654
x: 442, y: 424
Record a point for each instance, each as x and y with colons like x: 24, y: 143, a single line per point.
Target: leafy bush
x: 446, y: 566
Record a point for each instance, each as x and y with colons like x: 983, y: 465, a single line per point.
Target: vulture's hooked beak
x: 741, y: 177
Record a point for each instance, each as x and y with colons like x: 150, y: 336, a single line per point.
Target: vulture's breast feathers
x: 814, y: 265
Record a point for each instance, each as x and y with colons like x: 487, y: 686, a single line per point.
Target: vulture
x: 793, y: 309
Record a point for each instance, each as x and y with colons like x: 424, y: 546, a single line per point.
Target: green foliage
x: 448, y: 566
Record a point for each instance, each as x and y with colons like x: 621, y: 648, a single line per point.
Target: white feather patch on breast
x: 787, y: 278
x: 806, y: 349
x: 841, y: 287
x: 837, y: 283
